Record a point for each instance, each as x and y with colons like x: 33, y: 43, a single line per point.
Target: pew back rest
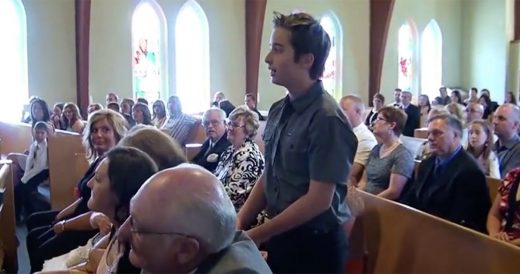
x: 14, y: 137
x: 412, y: 143
x: 67, y: 164
x: 421, y: 133
x: 8, y: 242
x: 399, y: 239
x: 493, y: 185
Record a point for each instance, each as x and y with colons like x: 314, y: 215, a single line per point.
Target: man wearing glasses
x: 214, y: 125
x: 191, y: 228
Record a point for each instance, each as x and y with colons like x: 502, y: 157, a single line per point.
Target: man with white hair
x: 354, y: 109
x: 191, y: 228
x: 214, y: 125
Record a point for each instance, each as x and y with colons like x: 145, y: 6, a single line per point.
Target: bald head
x: 192, y: 194
x: 354, y: 109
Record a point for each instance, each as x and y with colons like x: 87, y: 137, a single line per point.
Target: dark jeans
x: 25, y: 195
x: 305, y: 250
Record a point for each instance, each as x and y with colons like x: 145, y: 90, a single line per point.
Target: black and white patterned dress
x: 239, y: 169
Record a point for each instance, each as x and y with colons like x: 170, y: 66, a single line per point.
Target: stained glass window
x: 14, y: 89
x: 192, y: 58
x: 332, y: 75
x: 148, y: 47
x: 406, y: 55
x: 431, y: 59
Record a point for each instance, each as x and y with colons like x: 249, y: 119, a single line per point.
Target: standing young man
x: 309, y: 151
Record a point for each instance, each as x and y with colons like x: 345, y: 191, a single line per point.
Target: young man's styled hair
x: 307, y: 36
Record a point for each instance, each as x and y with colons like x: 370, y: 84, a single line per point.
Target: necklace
x: 386, y: 151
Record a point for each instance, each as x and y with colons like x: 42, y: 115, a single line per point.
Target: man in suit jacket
x: 412, y: 112
x: 450, y: 184
x: 192, y: 228
x: 217, y: 142
x: 221, y: 102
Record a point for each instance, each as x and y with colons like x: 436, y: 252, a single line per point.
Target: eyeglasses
x: 380, y: 119
x: 231, y: 124
x: 144, y: 232
x: 214, y: 123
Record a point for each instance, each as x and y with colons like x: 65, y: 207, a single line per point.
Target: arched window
x: 332, y: 75
x: 149, y: 51
x: 192, y: 58
x: 407, y: 57
x: 14, y: 89
x: 431, y: 59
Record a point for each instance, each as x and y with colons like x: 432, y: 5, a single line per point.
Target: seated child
x: 36, y: 171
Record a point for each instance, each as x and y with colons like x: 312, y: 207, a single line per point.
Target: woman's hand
x: 502, y: 236
x: 102, y: 222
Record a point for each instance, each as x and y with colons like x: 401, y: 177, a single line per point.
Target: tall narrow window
x: 192, y: 58
x: 332, y: 75
x: 13, y: 68
x: 407, y: 62
x: 148, y: 51
x: 431, y: 59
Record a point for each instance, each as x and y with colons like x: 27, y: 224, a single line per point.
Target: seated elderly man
x: 450, y: 184
x: 354, y: 109
x: 214, y: 125
x: 192, y: 229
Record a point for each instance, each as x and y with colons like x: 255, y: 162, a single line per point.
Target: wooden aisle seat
x: 421, y: 133
x: 8, y: 241
x: 493, y: 185
x: 14, y: 137
x: 67, y: 164
x: 400, y: 239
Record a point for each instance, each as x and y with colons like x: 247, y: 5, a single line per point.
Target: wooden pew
x: 8, y: 241
x: 399, y: 239
x: 14, y: 137
x: 493, y: 185
x: 67, y: 164
x: 421, y: 133
x: 412, y: 143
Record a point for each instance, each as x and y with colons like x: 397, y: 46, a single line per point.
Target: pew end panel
x: 8, y: 240
x: 67, y: 164
x: 14, y: 137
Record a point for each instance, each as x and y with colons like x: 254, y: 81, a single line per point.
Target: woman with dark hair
x: 510, y: 98
x: 378, y: 102
x: 424, y: 107
x: 72, y: 118
x: 159, y: 113
x: 141, y: 114
x: 56, y: 120
x: 117, y: 178
x: 485, y: 101
x: 40, y: 112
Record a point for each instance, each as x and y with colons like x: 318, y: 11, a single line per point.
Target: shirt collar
x: 509, y: 144
x: 301, y: 103
x: 448, y: 159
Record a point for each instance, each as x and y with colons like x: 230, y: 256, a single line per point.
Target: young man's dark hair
x: 307, y: 36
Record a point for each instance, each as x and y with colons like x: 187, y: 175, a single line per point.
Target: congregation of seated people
x: 143, y: 206
x: 450, y: 182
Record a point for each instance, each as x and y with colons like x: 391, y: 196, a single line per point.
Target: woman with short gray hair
x: 242, y: 163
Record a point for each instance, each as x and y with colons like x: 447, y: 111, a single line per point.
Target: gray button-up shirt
x: 508, y: 155
x: 308, y: 139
